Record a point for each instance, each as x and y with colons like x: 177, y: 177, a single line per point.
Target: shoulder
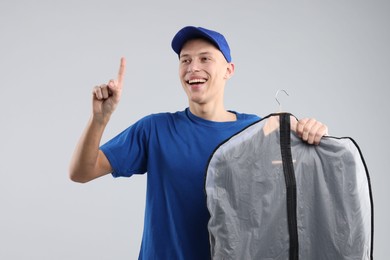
x: 246, y: 116
x: 160, y: 120
x: 163, y: 116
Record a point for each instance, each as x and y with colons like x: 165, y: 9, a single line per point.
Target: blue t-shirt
x: 173, y: 148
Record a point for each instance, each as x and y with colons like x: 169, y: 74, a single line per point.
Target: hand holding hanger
x: 309, y: 129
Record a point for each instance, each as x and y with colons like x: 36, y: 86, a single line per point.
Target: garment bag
x: 272, y: 196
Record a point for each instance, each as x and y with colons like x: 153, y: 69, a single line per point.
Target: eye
x: 185, y: 61
x: 205, y: 59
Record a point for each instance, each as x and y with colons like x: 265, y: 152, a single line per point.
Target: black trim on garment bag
x: 291, y: 193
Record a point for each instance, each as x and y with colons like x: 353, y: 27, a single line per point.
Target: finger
x: 300, y: 126
x: 321, y: 131
x: 306, y: 128
x: 97, y: 92
x: 121, y: 73
x: 105, y: 91
x: 314, y: 134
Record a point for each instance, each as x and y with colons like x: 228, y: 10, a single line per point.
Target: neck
x: 212, y: 112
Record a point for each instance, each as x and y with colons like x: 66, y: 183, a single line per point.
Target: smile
x: 196, y: 81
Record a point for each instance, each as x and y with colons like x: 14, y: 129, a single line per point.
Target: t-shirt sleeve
x: 127, y: 152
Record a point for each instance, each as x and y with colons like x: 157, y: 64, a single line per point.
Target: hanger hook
x: 276, y: 97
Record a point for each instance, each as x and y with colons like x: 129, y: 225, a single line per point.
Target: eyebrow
x: 199, y: 54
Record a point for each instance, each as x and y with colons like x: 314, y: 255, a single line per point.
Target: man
x: 173, y: 148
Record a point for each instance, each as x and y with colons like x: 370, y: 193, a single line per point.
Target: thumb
x: 293, y: 123
x: 114, y: 90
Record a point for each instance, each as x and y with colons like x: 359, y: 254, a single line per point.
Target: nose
x: 193, y: 66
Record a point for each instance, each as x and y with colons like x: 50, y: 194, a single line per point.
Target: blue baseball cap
x: 191, y: 32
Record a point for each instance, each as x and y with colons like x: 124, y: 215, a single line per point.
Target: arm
x: 88, y: 162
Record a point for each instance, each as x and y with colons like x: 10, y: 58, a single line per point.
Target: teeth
x: 192, y: 81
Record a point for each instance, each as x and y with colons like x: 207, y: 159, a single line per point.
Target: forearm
x: 85, y: 163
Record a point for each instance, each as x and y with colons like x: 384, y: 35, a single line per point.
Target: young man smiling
x: 173, y: 148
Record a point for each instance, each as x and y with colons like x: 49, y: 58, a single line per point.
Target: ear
x: 229, y: 71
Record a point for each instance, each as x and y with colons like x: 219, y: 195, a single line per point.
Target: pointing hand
x: 106, y: 97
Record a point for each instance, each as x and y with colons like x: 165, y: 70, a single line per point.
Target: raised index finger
x: 122, y: 69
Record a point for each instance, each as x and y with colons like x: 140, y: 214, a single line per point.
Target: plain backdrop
x: 332, y: 57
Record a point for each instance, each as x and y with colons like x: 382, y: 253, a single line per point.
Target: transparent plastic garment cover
x: 246, y: 196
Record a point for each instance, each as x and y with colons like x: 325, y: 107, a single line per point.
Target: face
x: 203, y: 72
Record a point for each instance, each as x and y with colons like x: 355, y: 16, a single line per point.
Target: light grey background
x: 331, y: 56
